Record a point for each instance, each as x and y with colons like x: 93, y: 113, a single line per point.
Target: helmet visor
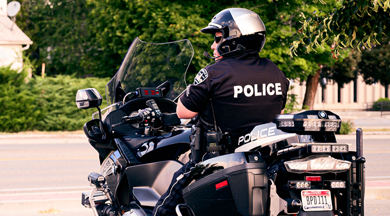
x: 210, y: 29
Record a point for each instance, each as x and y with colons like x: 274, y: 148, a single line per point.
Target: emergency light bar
x: 309, y: 121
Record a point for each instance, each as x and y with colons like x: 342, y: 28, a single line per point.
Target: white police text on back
x: 258, y: 90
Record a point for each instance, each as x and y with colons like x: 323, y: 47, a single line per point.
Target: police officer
x: 239, y: 91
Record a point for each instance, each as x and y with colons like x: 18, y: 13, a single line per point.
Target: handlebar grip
x: 127, y: 119
x: 131, y: 119
x: 117, y: 124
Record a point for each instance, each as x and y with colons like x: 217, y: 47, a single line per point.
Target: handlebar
x: 128, y: 119
x: 152, y: 113
x: 131, y: 119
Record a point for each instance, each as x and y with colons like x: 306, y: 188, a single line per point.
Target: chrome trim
x: 215, y: 24
x: 92, y: 201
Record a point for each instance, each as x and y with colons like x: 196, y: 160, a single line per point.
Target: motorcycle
x: 292, y: 166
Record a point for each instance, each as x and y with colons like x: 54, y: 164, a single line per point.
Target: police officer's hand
x: 145, y: 114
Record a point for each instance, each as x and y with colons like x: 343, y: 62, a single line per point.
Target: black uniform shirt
x: 245, y: 92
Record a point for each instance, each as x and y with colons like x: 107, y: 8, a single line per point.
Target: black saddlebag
x: 234, y: 187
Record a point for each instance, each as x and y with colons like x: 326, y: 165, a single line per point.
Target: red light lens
x: 153, y: 92
x: 146, y: 92
x: 313, y: 178
x: 221, y: 185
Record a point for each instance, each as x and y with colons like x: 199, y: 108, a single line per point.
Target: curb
x: 40, y: 136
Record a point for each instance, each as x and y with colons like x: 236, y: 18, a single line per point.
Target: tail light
x: 313, y: 178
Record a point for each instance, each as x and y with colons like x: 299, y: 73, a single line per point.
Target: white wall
x: 11, y: 55
x: 3, y: 7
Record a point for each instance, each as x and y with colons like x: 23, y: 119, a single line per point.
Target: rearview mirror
x: 88, y: 98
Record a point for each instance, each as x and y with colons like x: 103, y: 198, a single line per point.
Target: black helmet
x: 238, y: 26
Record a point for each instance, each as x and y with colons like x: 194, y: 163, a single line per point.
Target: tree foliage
x: 351, y: 23
x: 375, y: 65
x: 344, y: 70
x: 91, y: 37
x: 59, y: 31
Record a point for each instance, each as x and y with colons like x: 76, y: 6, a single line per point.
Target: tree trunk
x: 386, y: 90
x: 311, y: 89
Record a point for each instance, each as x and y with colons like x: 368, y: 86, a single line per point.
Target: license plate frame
x: 316, y: 200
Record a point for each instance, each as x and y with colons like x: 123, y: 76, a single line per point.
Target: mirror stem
x: 100, y: 113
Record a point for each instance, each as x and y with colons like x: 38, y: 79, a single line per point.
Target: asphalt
x: 372, y: 124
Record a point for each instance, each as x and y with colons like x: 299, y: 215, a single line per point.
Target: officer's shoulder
x: 268, y: 61
x: 218, y: 66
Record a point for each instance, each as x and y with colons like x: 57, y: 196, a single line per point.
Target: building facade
x: 356, y: 95
x: 13, y: 41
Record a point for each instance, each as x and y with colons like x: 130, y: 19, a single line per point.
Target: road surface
x: 46, y: 174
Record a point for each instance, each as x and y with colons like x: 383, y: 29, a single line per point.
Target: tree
x: 344, y: 70
x: 58, y: 29
x: 105, y: 29
x: 375, y: 65
x: 351, y: 23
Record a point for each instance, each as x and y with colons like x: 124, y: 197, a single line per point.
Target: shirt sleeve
x: 287, y: 84
x: 197, y: 94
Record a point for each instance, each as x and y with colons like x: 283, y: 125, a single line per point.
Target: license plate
x: 316, y: 200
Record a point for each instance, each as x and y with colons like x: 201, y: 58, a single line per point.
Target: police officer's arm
x: 184, y: 113
x: 196, y: 97
x: 282, y: 111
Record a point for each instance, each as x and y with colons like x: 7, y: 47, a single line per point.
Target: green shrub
x: 377, y: 105
x: 56, y: 97
x: 19, y: 112
x: 346, y: 127
x: 44, y: 104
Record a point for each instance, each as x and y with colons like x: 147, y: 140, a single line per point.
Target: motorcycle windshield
x: 149, y: 65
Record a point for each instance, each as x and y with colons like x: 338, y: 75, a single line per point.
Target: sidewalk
x: 370, y: 121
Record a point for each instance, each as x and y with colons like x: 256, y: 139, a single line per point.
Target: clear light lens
x: 107, y: 167
x: 286, y: 124
x: 317, y: 164
x: 342, y: 165
x: 299, y: 184
x: 312, y: 125
x: 297, y: 165
x: 340, y: 148
x: 337, y: 184
x: 332, y: 124
x: 82, y: 104
x: 320, y: 148
x: 322, y: 163
x: 315, y: 148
